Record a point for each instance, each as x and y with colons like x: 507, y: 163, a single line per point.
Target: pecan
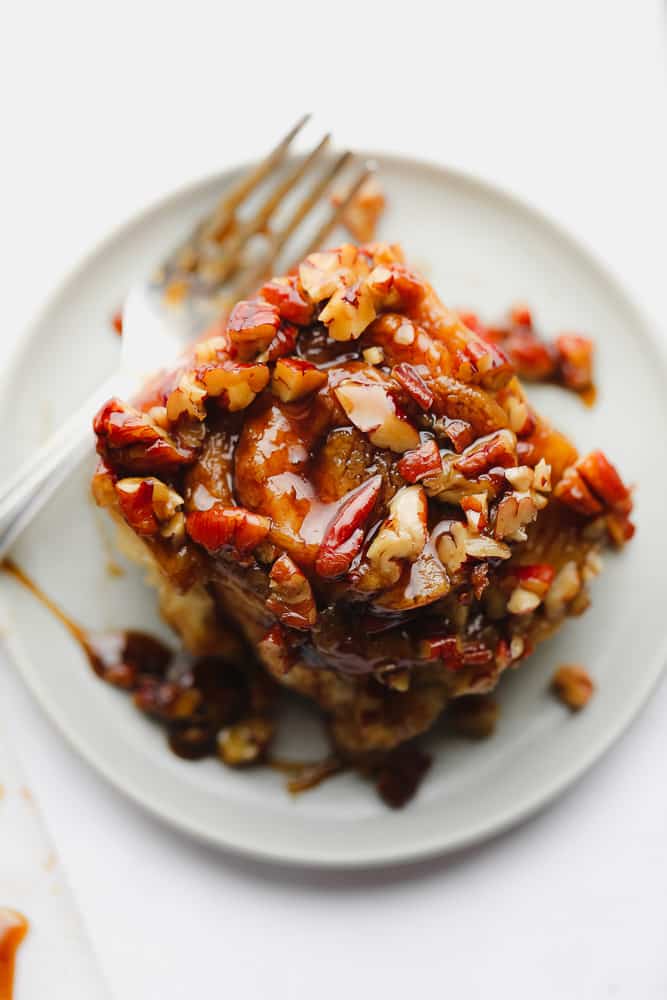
x: 534, y: 360
x: 574, y: 492
x: 514, y: 511
x: 573, y: 685
x: 402, y: 535
x: 188, y: 397
x: 284, y: 293
x: 291, y: 597
x: 489, y: 362
x: 234, y: 384
x: 475, y: 508
x: 136, y: 504
x: 253, y: 319
x: 348, y: 312
x: 537, y: 577
x: 246, y: 742
x: 220, y: 527
x: 522, y: 601
x: 575, y: 356
x: 520, y: 315
x: 321, y: 274
x: 294, y: 378
x: 395, y: 287
x: 283, y: 343
x: 451, y: 540
x: 408, y: 376
x: 146, y: 502
x: 483, y: 547
x: 121, y: 425
x: 371, y: 408
x: 499, y: 450
x: 145, y: 446
x: 345, y: 534
x: 564, y: 588
x: 422, y: 463
x: 604, y: 480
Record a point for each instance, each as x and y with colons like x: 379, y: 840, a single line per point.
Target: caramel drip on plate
x: 13, y: 928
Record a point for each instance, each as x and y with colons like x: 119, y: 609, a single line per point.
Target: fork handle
x: 38, y: 478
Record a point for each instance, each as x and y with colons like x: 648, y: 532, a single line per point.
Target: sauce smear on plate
x: 13, y: 928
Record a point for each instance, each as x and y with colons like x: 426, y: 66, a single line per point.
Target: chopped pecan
x: 604, y: 480
x: 253, y: 319
x: 408, y: 376
x: 283, y: 343
x: 575, y: 356
x: 371, y: 408
x: 348, y: 312
x: 220, y: 527
x: 451, y: 540
x: 395, y: 287
x: 537, y: 577
x: 513, y: 512
x: 573, y: 685
x: 294, y: 378
x: 188, y: 397
x: 499, y: 450
x: 344, y: 536
x: 573, y: 491
x: 145, y: 446
x: 476, y: 511
x: 564, y: 588
x: 234, y: 384
x: 321, y: 274
x: 489, y: 362
x: 284, y: 293
x: 246, y: 742
x: 402, y: 536
x: 522, y: 601
x: 422, y: 463
x: 135, y: 498
x: 291, y: 597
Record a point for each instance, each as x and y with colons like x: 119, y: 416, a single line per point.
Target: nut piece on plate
x: 573, y: 686
x: 349, y: 473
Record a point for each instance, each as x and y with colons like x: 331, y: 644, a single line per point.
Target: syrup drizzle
x: 13, y: 928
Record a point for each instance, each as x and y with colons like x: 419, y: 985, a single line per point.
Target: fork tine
x: 301, y: 211
x: 247, y: 184
x: 255, y: 225
x: 334, y: 218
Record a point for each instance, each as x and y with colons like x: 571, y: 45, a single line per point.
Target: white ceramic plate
x: 484, y: 250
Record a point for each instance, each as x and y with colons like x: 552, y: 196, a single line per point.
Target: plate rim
x: 427, y: 845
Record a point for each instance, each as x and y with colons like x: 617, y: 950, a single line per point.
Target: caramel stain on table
x: 13, y: 928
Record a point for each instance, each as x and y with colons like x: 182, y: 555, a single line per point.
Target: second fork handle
x: 38, y: 478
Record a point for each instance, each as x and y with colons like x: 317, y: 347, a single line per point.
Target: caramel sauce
x: 589, y: 396
x: 121, y: 652
x: 13, y: 928
x: 194, y: 699
x: 304, y: 775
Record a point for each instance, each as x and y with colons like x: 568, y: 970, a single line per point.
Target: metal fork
x: 189, y: 291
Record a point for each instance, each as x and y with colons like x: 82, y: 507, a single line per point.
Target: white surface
x: 538, y: 749
x: 32, y: 882
x: 562, y: 102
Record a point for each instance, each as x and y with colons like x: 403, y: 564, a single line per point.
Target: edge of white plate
x: 426, y: 846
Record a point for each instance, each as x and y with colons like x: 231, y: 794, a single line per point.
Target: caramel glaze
x: 13, y: 929
x: 194, y: 697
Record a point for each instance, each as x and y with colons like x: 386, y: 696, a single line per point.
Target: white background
x: 107, y: 106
